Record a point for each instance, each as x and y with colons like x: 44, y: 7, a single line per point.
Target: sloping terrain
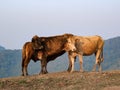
x: 109, y: 80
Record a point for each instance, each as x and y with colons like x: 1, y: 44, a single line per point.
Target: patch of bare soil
x: 109, y: 80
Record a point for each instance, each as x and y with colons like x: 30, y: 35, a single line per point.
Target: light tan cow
x: 86, y: 45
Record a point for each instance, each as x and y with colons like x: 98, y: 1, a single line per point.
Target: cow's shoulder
x: 27, y: 44
x: 28, y: 47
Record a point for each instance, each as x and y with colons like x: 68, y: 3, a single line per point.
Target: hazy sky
x: 20, y: 20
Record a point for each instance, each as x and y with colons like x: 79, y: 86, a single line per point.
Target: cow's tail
x: 101, y: 56
x: 23, y: 56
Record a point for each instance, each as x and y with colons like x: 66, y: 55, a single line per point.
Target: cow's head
x: 37, y: 44
x: 69, y: 45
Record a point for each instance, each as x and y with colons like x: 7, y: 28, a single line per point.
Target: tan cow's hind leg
x: 100, y: 68
x: 81, y: 62
x: 98, y: 61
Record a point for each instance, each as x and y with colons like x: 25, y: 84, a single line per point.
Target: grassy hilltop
x: 109, y: 80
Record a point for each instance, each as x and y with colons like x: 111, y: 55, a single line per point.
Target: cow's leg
x: 94, y: 67
x: 71, y: 63
x: 99, y: 65
x: 81, y: 62
x: 46, y: 68
x: 24, y: 66
x: 43, y: 66
x: 98, y: 61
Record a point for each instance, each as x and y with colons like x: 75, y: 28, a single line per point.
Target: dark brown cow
x: 44, y: 49
x: 28, y: 53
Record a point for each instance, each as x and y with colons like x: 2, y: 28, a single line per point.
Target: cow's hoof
x: 43, y: 73
x: 93, y: 70
x: 24, y: 74
x: 69, y: 70
x: 81, y: 71
x: 100, y: 71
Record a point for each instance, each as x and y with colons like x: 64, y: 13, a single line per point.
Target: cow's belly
x: 88, y: 51
x: 88, y: 46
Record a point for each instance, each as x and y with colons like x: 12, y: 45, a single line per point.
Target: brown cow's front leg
x: 43, y: 66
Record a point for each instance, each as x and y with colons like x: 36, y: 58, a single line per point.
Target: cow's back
x: 54, y: 45
x: 90, y: 44
x: 28, y: 52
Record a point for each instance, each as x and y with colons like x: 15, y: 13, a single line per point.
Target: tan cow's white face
x: 40, y: 55
x: 69, y: 45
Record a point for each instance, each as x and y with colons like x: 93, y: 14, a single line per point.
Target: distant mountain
x: 10, y: 60
x: 112, y: 54
x: 2, y: 48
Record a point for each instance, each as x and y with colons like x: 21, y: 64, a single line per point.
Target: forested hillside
x: 10, y: 61
x: 112, y: 54
x: 2, y: 48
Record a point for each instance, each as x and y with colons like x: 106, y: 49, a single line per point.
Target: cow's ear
x: 35, y: 38
x: 32, y: 40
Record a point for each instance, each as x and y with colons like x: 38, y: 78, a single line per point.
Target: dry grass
x: 109, y: 80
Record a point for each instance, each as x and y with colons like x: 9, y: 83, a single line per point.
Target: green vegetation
x: 10, y: 61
